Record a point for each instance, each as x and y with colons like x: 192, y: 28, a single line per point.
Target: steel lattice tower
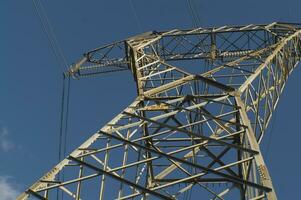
x: 205, y: 99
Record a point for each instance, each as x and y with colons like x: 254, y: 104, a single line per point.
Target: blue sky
x: 31, y: 79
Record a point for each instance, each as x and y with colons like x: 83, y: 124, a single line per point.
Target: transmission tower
x: 205, y: 99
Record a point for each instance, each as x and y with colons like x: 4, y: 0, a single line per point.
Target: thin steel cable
x: 59, y: 49
x: 48, y: 30
x: 64, y: 118
x: 135, y: 15
x: 61, y: 119
x: 44, y: 28
x: 67, y: 116
x: 192, y: 17
x: 61, y: 133
x: 197, y: 16
x: 61, y: 59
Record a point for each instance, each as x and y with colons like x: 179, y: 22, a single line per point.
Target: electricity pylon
x: 205, y: 99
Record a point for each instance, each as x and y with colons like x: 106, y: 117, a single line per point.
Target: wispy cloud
x: 5, y: 144
x: 8, y: 190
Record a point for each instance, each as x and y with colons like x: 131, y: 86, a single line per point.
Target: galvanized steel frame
x: 185, y: 130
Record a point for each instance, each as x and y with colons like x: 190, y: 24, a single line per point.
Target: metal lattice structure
x: 205, y: 99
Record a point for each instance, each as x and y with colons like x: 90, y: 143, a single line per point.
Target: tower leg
x: 259, y: 161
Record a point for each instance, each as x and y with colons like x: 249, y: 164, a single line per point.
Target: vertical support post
x: 125, y: 157
x: 148, y: 144
x: 213, y: 47
x: 78, y: 188
x: 241, y: 166
x: 103, y: 177
x: 134, y: 67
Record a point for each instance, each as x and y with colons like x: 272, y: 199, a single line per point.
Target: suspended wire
x: 197, y: 16
x: 66, y: 117
x: 48, y: 30
x: 138, y: 22
x: 61, y: 132
x: 59, y: 49
x: 192, y: 17
x: 193, y: 13
x: 65, y: 96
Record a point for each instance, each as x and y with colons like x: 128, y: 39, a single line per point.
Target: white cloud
x: 8, y: 190
x: 5, y: 143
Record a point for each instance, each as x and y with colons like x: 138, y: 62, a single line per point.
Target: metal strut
x: 205, y: 97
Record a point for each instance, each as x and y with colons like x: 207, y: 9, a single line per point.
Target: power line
x: 64, y: 117
x: 65, y: 96
x: 193, y: 13
x: 48, y: 30
x: 194, y: 6
x: 59, y: 49
x: 61, y: 133
x: 61, y: 119
x: 135, y: 15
